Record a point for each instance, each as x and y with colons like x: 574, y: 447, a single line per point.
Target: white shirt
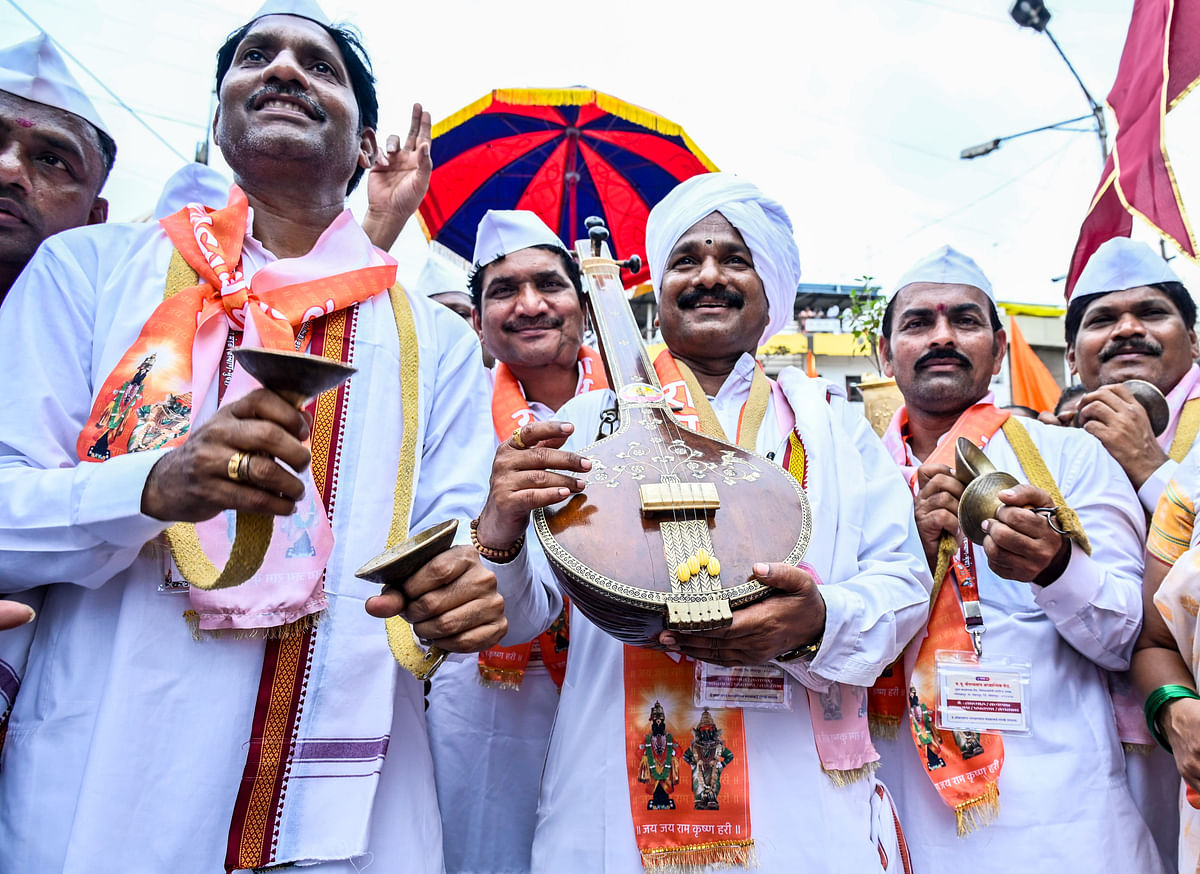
x: 864, y: 546
x: 1065, y: 804
x: 127, y: 742
x: 489, y: 746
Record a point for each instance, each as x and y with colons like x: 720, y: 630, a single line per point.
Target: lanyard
x: 963, y: 568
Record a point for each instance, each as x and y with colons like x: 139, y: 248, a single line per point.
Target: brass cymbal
x: 295, y: 376
x: 980, y: 499
x: 1154, y: 402
x: 395, y: 565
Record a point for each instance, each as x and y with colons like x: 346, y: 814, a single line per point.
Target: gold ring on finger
x: 516, y: 439
x: 234, y: 468
x: 243, y: 471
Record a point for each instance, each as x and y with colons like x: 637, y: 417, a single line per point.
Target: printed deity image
x: 112, y: 418
x: 707, y: 757
x: 659, y: 768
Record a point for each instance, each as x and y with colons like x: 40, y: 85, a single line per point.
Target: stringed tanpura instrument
x: 671, y: 522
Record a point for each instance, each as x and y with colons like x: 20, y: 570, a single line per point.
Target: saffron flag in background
x: 810, y: 364
x: 1032, y: 384
x: 1159, y: 67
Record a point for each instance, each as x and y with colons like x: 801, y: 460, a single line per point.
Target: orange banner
x: 1032, y: 384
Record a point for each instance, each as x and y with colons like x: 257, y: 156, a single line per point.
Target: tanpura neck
x: 550, y: 385
x: 289, y: 226
x: 710, y: 373
x: 925, y: 429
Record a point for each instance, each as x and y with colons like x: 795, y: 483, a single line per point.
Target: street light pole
x: 1034, y: 14
x: 991, y: 145
x: 1097, y: 109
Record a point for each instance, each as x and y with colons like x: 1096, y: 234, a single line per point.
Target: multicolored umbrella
x: 564, y: 154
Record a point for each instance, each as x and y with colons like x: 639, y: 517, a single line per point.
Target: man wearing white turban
x: 725, y: 267
x: 1058, y: 589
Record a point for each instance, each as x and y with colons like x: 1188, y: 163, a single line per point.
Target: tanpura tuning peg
x: 634, y: 264
x: 593, y: 221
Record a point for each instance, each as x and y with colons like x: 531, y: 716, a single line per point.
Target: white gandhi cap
x: 35, y: 70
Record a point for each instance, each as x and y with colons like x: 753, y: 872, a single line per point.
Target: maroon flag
x: 1159, y: 66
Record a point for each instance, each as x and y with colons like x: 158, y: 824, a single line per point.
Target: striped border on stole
x: 254, y: 828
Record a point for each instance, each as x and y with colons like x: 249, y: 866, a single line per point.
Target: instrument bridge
x: 695, y: 602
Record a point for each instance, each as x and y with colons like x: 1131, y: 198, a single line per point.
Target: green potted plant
x: 881, y: 397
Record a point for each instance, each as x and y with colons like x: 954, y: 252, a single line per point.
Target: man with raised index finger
x: 164, y: 724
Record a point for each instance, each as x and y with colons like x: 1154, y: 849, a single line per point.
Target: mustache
x: 286, y: 91
x: 720, y: 294
x: 942, y: 355
x: 522, y: 323
x: 1132, y: 344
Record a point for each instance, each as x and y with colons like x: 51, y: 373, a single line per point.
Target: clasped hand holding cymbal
x: 238, y: 460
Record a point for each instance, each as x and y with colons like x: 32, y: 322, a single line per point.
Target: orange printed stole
x: 668, y: 741
x: 964, y: 769
x: 158, y: 370
x: 504, y: 666
x: 666, y: 737
x: 510, y: 410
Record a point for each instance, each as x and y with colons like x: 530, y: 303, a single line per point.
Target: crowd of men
x: 157, y: 717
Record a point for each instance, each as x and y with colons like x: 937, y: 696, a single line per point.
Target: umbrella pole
x: 572, y: 181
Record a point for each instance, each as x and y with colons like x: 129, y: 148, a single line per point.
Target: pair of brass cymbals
x: 983, y: 483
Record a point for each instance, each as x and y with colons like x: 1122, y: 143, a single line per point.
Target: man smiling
x: 496, y: 711
x: 167, y: 724
x: 725, y: 267
x: 1129, y: 317
x: 1069, y: 603
x: 55, y: 154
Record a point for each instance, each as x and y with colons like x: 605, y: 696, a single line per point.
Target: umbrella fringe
x: 574, y: 97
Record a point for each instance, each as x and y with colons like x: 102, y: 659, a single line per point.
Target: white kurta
x: 1065, y: 804
x: 128, y: 738
x: 489, y: 746
x: 865, y: 548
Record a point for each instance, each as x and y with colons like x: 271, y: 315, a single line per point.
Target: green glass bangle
x: 1156, y: 701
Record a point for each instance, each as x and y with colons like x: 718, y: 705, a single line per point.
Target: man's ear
x: 215, y: 125
x: 885, y: 356
x: 98, y: 214
x: 368, y: 148
x: 1071, y: 359
x: 1001, y: 342
x: 476, y: 322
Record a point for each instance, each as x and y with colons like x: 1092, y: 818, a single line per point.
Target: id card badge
x: 984, y: 695
x: 753, y: 687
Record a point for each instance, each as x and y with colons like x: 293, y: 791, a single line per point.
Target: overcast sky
x: 852, y: 112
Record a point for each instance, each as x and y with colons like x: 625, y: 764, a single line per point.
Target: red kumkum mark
x: 24, y: 122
